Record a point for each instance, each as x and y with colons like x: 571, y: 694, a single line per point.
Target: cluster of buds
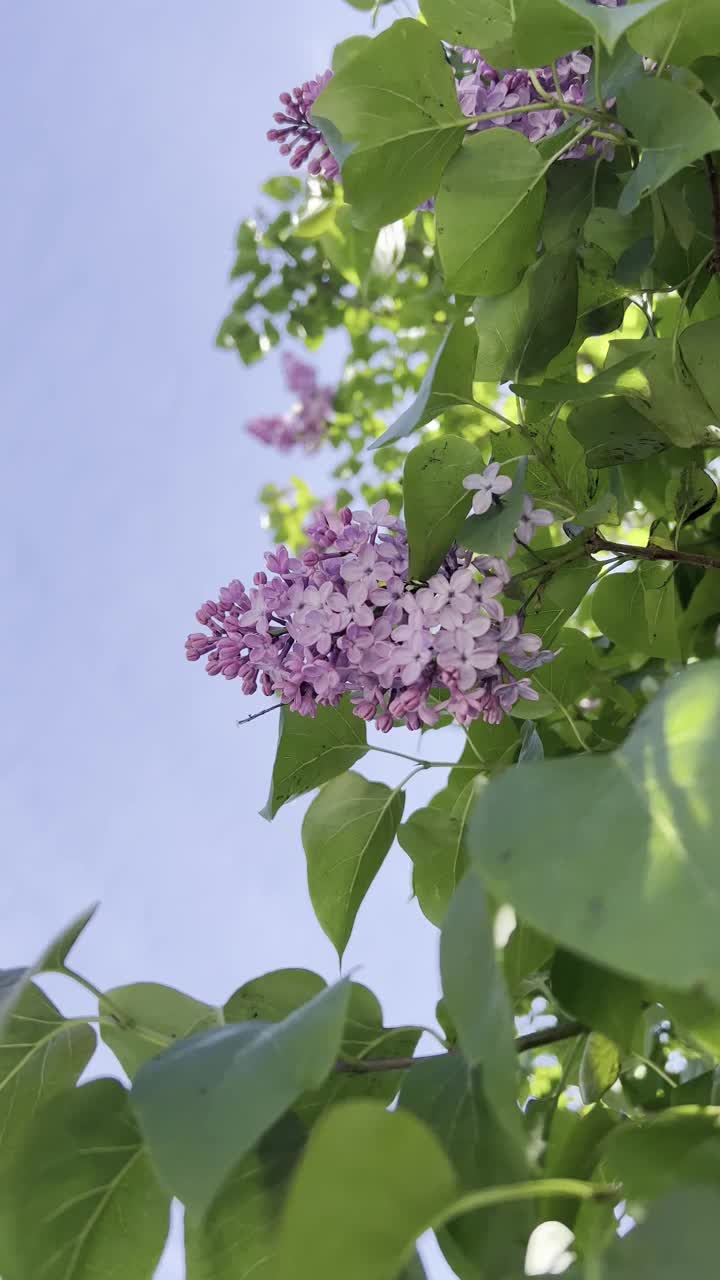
x: 343, y: 618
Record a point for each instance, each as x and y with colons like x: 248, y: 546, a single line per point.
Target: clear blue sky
x: 134, y: 142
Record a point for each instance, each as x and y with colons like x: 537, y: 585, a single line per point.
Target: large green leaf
x: 637, y: 619
x: 480, y: 1009
x: 489, y: 208
x: 312, y: 751
x: 680, y: 32
x: 676, y: 404
x: 673, y: 126
x: 572, y: 1152
x: 346, y: 833
x: 605, y: 1001
x: 638, y: 890
x: 13, y: 982
x: 612, y: 431
x: 204, y: 1103
x: 447, y: 384
x: 86, y: 1202
x: 678, y: 1238
x: 546, y: 29
x: 434, y: 499
x: 699, y: 348
x: 369, y: 1184
x: 520, y: 332
x: 452, y: 1102
x: 237, y: 1237
x: 681, y: 1146
x: 466, y: 22
x: 273, y: 996
x: 395, y: 103
x: 433, y: 839
x: 146, y: 1017
x: 41, y: 1055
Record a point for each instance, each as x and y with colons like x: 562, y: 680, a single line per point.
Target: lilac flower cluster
x: 343, y: 618
x: 483, y: 89
x: 306, y: 422
x: 298, y: 138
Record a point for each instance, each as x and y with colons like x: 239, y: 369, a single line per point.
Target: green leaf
x: 12, y: 984
x: 447, y: 384
x: 273, y: 996
x: 673, y: 126
x: 612, y: 431
x: 520, y: 332
x: 433, y: 839
x: 603, y: 1000
x: 41, y: 1055
x: 346, y: 833
x: 680, y: 32
x: 480, y: 1009
x: 679, y: 1146
x: 462, y: 22
x: 395, y: 102
x: 637, y: 621
x: 660, y: 600
x: 152, y: 1017
x: 86, y: 1202
x: 526, y: 952
x: 638, y: 893
x: 489, y: 208
x: 434, y: 499
x: 677, y: 1238
x: 599, y: 1067
x: 369, y: 1184
x: 690, y: 493
x: 557, y: 599
x: 452, y: 1102
x: 546, y: 29
x: 346, y: 50
x: 312, y: 751
x: 493, y: 533
x: 531, y: 748
x: 676, y: 404
x: 698, y: 347
x: 204, y: 1103
x: 238, y: 1236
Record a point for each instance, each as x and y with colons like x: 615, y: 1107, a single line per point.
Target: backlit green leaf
x: 489, y: 208
x: 673, y: 127
x: 347, y: 831
x: 312, y: 751
x: 639, y: 891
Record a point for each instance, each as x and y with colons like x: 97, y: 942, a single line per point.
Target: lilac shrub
x: 344, y: 618
x: 306, y: 422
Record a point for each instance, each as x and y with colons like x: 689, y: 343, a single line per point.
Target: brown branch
x: 523, y: 1044
x: 712, y: 175
x: 277, y: 706
x: 651, y: 552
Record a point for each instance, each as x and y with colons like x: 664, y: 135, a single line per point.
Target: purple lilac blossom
x: 344, y: 619
x: 307, y: 421
x: 297, y: 136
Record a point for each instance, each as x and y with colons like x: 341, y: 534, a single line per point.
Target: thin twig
x: 651, y: 552
x: 257, y: 714
x: 523, y: 1044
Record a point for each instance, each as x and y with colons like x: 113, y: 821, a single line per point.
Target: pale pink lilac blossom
x: 343, y: 618
x: 307, y: 421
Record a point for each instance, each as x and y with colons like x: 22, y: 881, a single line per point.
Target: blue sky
x: 135, y: 144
